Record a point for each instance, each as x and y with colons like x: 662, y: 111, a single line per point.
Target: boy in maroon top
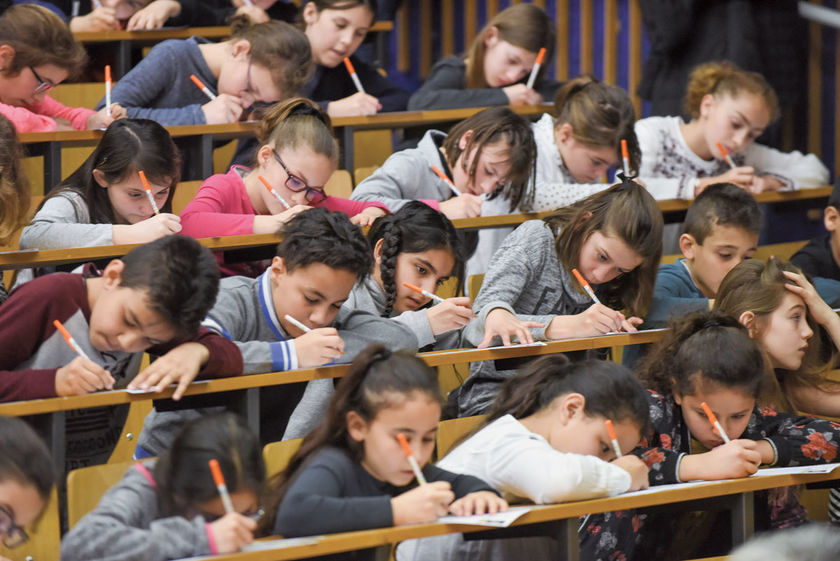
x: 152, y: 299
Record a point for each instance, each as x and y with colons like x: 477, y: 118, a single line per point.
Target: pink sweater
x: 222, y: 207
x: 38, y: 117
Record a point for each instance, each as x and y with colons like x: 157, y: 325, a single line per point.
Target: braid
x: 391, y: 241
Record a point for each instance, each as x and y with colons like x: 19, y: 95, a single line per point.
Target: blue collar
x: 267, y: 305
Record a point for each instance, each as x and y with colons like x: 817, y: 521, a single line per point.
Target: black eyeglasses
x: 296, y: 184
x: 43, y: 85
x: 14, y: 534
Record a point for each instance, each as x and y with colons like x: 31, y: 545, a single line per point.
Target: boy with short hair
x: 322, y: 256
x: 152, y: 298
x: 821, y: 256
x: 721, y: 229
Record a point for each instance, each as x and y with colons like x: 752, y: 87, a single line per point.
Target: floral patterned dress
x: 638, y: 534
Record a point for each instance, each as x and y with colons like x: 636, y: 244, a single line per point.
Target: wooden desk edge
x: 348, y: 541
x: 249, y: 381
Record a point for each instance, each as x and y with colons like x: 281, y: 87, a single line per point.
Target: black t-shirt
x: 816, y: 259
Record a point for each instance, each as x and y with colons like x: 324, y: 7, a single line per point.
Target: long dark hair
x: 415, y: 228
x: 182, y: 473
x: 705, y: 346
x: 375, y: 378
x: 626, y: 211
x: 610, y: 390
x: 24, y: 457
x: 128, y: 146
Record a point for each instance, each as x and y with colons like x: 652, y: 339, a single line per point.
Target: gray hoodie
x: 244, y: 313
x: 126, y: 526
x: 370, y: 297
x: 526, y: 278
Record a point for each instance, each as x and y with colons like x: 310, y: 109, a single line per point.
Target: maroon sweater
x: 32, y: 350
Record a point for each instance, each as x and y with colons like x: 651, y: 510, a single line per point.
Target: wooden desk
x: 52, y: 257
x: 200, y: 138
x: 735, y: 494
x: 127, y: 40
x: 246, y: 401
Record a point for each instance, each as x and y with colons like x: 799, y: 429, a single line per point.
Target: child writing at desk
x: 709, y: 359
x: 260, y: 63
x: 546, y: 440
x: 37, y: 52
x: 153, y: 298
x: 350, y: 473
x: 614, y: 240
x: 495, y: 69
x: 298, y: 154
x: 170, y: 508
x: 415, y: 246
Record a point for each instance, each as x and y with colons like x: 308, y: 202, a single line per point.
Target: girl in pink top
x: 297, y: 156
x: 37, y: 51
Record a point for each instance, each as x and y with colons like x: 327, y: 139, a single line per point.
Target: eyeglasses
x: 295, y: 184
x: 43, y: 85
x: 14, y: 534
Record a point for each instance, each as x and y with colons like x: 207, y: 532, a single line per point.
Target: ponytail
x: 298, y: 122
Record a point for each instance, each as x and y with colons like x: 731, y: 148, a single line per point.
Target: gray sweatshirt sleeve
x: 398, y: 181
x: 61, y: 223
x: 418, y: 322
x: 154, y: 78
x: 123, y: 528
x: 445, y: 88
x: 518, y: 262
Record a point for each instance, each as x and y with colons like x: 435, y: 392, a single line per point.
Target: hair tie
x: 306, y: 110
x: 626, y: 180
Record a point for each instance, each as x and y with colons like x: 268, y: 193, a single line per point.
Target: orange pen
x: 613, y: 438
x: 715, y: 423
x: 70, y: 340
x: 411, y: 460
x: 148, y: 191
x: 273, y: 192
x: 536, y: 69
x: 625, y: 158
x: 108, y: 88
x: 585, y: 286
x: 353, y: 75
x: 202, y: 87
x: 219, y: 479
x: 726, y: 156
x: 448, y: 181
x: 425, y: 293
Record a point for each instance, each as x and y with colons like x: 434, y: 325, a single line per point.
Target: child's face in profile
x: 312, y: 294
x: 335, y: 34
x: 415, y: 415
x: 734, y: 122
x: 20, y: 505
x: 426, y: 269
x: 710, y: 261
x: 732, y: 407
x: 121, y: 318
x: 605, y: 257
x: 492, y: 169
x: 784, y: 333
x: 586, y: 163
x: 128, y: 198
x: 31, y: 84
x: 505, y: 63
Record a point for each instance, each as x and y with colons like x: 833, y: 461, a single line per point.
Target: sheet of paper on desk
x: 138, y: 391
x: 498, y: 520
x: 265, y: 545
x: 513, y: 346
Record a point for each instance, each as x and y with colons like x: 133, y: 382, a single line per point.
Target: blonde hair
x: 279, y: 47
x: 523, y: 25
x: 298, y: 122
x: 723, y: 77
x: 14, y: 188
x: 758, y: 287
x: 600, y: 115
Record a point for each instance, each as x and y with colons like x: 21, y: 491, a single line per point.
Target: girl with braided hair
x: 416, y: 245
